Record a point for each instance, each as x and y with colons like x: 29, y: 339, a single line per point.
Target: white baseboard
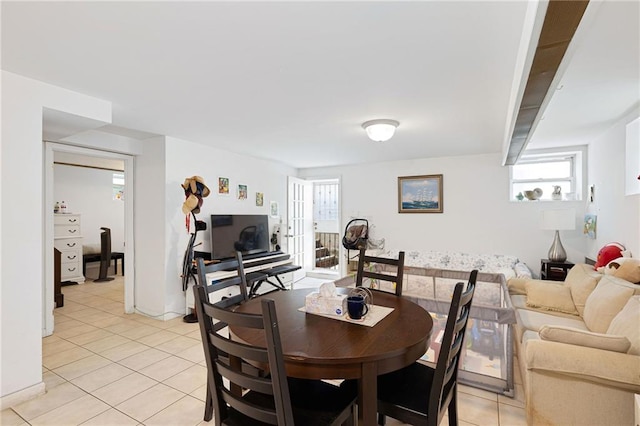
x: 20, y: 396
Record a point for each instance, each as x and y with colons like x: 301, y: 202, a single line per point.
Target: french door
x: 300, y: 224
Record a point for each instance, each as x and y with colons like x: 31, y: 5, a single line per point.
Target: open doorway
x: 327, y: 232
x: 71, y: 173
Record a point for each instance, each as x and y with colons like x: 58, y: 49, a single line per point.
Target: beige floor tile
x: 194, y: 335
x: 60, y: 318
x: 109, y: 322
x: 183, y: 328
x: 193, y: 354
x: 9, y: 417
x: 200, y: 393
x: 107, y: 343
x: 124, y: 351
x: 81, y: 367
x: 123, y: 389
x: 111, y: 417
x: 65, y: 325
x: 188, y: 380
x: 158, y: 338
x: 478, y: 392
x: 186, y: 411
x: 83, y: 339
x: 122, y: 326
x: 101, y: 377
x: 95, y: 317
x: 512, y: 416
x: 166, y: 368
x: 144, y: 359
x: 73, y: 413
x: 65, y: 357
x: 140, y: 331
x: 52, y: 399
x: 51, y: 380
x: 80, y: 314
x: 57, y: 346
x: 74, y: 331
x: 178, y: 344
x: 151, y: 401
x: 476, y: 410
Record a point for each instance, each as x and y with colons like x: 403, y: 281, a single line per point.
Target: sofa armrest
x: 518, y: 285
x: 619, y: 370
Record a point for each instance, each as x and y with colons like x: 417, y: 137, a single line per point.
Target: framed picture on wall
x: 274, y: 211
x: 242, y: 192
x: 259, y: 199
x: 223, y: 186
x: 420, y: 194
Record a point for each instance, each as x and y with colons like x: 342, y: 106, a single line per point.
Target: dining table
x: 320, y: 347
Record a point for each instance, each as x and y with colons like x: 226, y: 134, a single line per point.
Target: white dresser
x: 68, y: 239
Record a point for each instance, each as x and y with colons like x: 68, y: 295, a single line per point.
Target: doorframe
x: 129, y: 256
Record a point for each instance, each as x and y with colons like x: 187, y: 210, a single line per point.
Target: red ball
x: 608, y: 253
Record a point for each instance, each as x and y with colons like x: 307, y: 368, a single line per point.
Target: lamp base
x: 557, y: 252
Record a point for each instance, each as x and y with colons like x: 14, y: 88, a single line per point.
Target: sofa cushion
x: 573, y: 336
x: 605, y: 302
x: 627, y: 323
x: 550, y: 296
x: 581, y: 279
x: 534, y: 320
x: 529, y: 335
x: 629, y: 271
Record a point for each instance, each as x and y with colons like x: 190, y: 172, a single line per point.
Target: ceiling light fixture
x: 380, y: 130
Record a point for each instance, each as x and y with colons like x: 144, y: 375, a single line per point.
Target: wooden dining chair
x: 273, y: 399
x: 365, y: 262
x: 226, y: 302
x: 419, y: 394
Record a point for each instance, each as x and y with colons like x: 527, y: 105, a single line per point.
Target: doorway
x: 53, y: 150
x: 326, y: 223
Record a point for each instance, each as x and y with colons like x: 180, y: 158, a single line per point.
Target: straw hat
x: 194, y: 190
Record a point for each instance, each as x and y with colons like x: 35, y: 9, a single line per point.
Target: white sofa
x: 578, y: 347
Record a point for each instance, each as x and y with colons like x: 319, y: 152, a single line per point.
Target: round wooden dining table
x: 316, y: 347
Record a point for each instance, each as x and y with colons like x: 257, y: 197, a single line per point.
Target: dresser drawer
x: 70, y: 256
x: 66, y: 244
x: 66, y: 231
x: 66, y: 219
x: 70, y: 270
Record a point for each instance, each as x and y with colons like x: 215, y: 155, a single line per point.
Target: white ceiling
x: 293, y: 81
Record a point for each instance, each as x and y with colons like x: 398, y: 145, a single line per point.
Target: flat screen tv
x: 248, y: 233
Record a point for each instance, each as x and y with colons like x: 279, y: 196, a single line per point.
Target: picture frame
x: 242, y: 192
x: 420, y: 194
x: 223, y: 186
x: 274, y: 211
x: 259, y: 199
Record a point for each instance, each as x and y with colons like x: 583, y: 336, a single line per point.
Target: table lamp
x: 558, y: 220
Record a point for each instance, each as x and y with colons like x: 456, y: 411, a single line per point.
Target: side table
x: 555, y: 271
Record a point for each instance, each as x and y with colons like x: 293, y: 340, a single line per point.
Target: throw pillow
x: 608, y: 253
x: 573, y: 336
x: 629, y: 271
x: 627, y: 323
x: 581, y: 279
x: 550, y: 296
x: 605, y: 302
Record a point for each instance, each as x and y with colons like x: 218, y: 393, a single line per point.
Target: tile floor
x: 104, y: 367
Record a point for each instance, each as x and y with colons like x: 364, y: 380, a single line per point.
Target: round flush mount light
x: 380, y: 130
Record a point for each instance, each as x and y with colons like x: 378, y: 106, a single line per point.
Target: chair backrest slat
x: 446, y: 373
x: 396, y: 278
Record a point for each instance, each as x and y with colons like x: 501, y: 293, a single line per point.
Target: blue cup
x: 356, y: 307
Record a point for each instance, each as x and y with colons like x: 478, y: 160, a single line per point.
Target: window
x: 118, y: 186
x: 548, y: 170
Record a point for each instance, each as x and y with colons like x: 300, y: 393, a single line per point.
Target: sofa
x: 578, y: 347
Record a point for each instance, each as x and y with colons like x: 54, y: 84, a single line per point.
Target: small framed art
x: 420, y: 194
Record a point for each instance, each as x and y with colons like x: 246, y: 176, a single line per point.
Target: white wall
x: 478, y: 216
x: 618, y: 216
x: 22, y: 275
x: 161, y: 235
x: 89, y: 191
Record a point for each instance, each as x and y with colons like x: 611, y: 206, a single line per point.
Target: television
x: 247, y: 233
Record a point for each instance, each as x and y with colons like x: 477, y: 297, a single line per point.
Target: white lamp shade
x: 380, y: 130
x: 558, y: 219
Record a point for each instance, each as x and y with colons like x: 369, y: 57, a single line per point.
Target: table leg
x: 368, y: 395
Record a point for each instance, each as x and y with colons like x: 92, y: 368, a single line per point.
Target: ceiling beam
x: 560, y: 23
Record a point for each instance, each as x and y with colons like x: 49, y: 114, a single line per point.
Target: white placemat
x: 375, y: 315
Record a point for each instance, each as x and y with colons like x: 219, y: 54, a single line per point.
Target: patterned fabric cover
x: 509, y: 266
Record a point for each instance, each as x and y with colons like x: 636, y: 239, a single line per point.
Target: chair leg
x: 382, y: 419
x: 452, y: 410
x: 208, y: 407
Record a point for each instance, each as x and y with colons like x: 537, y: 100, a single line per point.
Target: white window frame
x: 577, y: 156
